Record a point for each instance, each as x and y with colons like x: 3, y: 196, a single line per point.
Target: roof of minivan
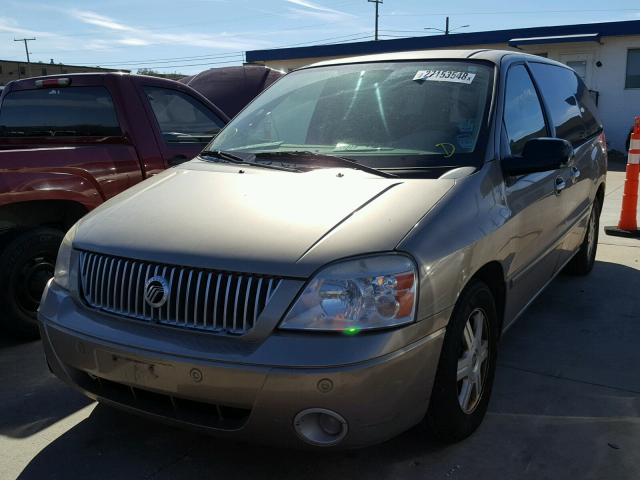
x: 494, y: 56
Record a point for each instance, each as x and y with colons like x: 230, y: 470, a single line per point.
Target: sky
x: 189, y: 36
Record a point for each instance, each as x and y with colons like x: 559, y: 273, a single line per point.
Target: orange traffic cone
x: 627, y: 226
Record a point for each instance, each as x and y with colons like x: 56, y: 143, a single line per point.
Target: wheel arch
x: 600, y: 193
x: 492, y: 274
x: 60, y: 214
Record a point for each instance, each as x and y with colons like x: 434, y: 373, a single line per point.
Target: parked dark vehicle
x: 232, y: 88
x: 340, y: 262
x: 67, y: 144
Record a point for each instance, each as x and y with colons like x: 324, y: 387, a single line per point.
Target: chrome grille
x: 223, y: 302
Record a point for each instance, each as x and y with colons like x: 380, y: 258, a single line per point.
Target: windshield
x: 385, y: 115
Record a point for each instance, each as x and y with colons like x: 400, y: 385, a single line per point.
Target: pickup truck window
x: 57, y: 112
x: 182, y: 118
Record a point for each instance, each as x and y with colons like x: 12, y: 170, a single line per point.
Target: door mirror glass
x: 539, y: 155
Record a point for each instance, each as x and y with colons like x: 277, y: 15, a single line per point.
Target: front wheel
x: 26, y: 264
x: 464, y: 378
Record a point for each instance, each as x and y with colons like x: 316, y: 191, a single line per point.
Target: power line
x: 322, y: 40
x: 446, y: 30
x: 188, y: 65
x: 394, y: 36
x: 148, y: 62
x: 521, y: 12
x: 233, y: 61
x: 403, y: 31
x: 174, y: 59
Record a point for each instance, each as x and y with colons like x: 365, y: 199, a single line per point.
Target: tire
x: 26, y: 263
x: 583, y: 261
x: 449, y: 417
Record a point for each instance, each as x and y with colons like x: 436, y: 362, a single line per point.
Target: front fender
x: 25, y: 186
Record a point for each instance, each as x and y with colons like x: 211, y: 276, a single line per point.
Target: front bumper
x: 229, y: 392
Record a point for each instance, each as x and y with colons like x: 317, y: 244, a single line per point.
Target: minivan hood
x: 257, y: 220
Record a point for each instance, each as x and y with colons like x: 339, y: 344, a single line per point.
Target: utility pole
x: 377, y: 2
x: 447, y: 30
x: 26, y: 49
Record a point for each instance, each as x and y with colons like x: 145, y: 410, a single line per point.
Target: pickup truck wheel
x: 464, y: 378
x: 583, y: 261
x: 26, y: 264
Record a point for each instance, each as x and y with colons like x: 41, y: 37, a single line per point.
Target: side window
x: 588, y: 109
x: 560, y: 88
x: 523, y: 117
x: 182, y: 118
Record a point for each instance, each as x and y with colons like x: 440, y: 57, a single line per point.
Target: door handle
x: 575, y: 173
x: 560, y: 185
x: 177, y: 160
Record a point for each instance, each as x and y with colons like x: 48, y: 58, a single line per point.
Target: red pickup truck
x: 67, y: 144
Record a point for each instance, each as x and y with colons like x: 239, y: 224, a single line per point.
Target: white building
x: 605, y: 55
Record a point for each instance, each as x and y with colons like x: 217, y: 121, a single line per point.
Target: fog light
x: 330, y: 425
x: 321, y: 427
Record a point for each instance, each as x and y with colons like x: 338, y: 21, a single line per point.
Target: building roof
x: 606, y: 29
x: 45, y: 64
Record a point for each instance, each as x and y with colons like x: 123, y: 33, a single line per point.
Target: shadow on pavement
x: 32, y: 395
x: 567, y: 389
x: 111, y: 444
x: 583, y: 328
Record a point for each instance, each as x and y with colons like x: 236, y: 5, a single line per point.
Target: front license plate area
x: 132, y: 371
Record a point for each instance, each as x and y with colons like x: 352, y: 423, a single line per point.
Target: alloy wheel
x: 472, y: 362
x: 591, y: 234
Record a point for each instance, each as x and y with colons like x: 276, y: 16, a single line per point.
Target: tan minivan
x: 339, y: 263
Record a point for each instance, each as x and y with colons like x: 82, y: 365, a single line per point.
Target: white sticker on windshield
x: 444, y: 76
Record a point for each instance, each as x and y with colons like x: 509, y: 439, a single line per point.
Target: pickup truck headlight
x: 360, y: 294
x: 63, y: 262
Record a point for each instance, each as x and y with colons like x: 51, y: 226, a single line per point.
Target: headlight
x: 61, y: 275
x: 360, y: 294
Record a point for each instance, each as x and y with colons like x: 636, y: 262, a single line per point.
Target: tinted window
x: 68, y: 111
x: 560, y: 88
x: 632, y: 79
x: 523, y: 117
x: 182, y: 118
x: 588, y: 109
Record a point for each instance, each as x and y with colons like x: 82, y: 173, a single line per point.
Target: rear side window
x: 182, y: 118
x: 561, y: 89
x: 588, y: 109
x: 523, y: 117
x: 59, y: 112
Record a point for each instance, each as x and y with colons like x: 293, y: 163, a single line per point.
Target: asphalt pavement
x: 566, y: 404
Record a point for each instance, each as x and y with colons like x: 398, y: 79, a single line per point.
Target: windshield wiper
x: 249, y: 159
x: 229, y: 157
x: 346, y: 162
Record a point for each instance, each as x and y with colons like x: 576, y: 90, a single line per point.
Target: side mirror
x: 539, y: 155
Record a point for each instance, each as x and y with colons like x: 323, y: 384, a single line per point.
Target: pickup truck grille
x: 185, y: 297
